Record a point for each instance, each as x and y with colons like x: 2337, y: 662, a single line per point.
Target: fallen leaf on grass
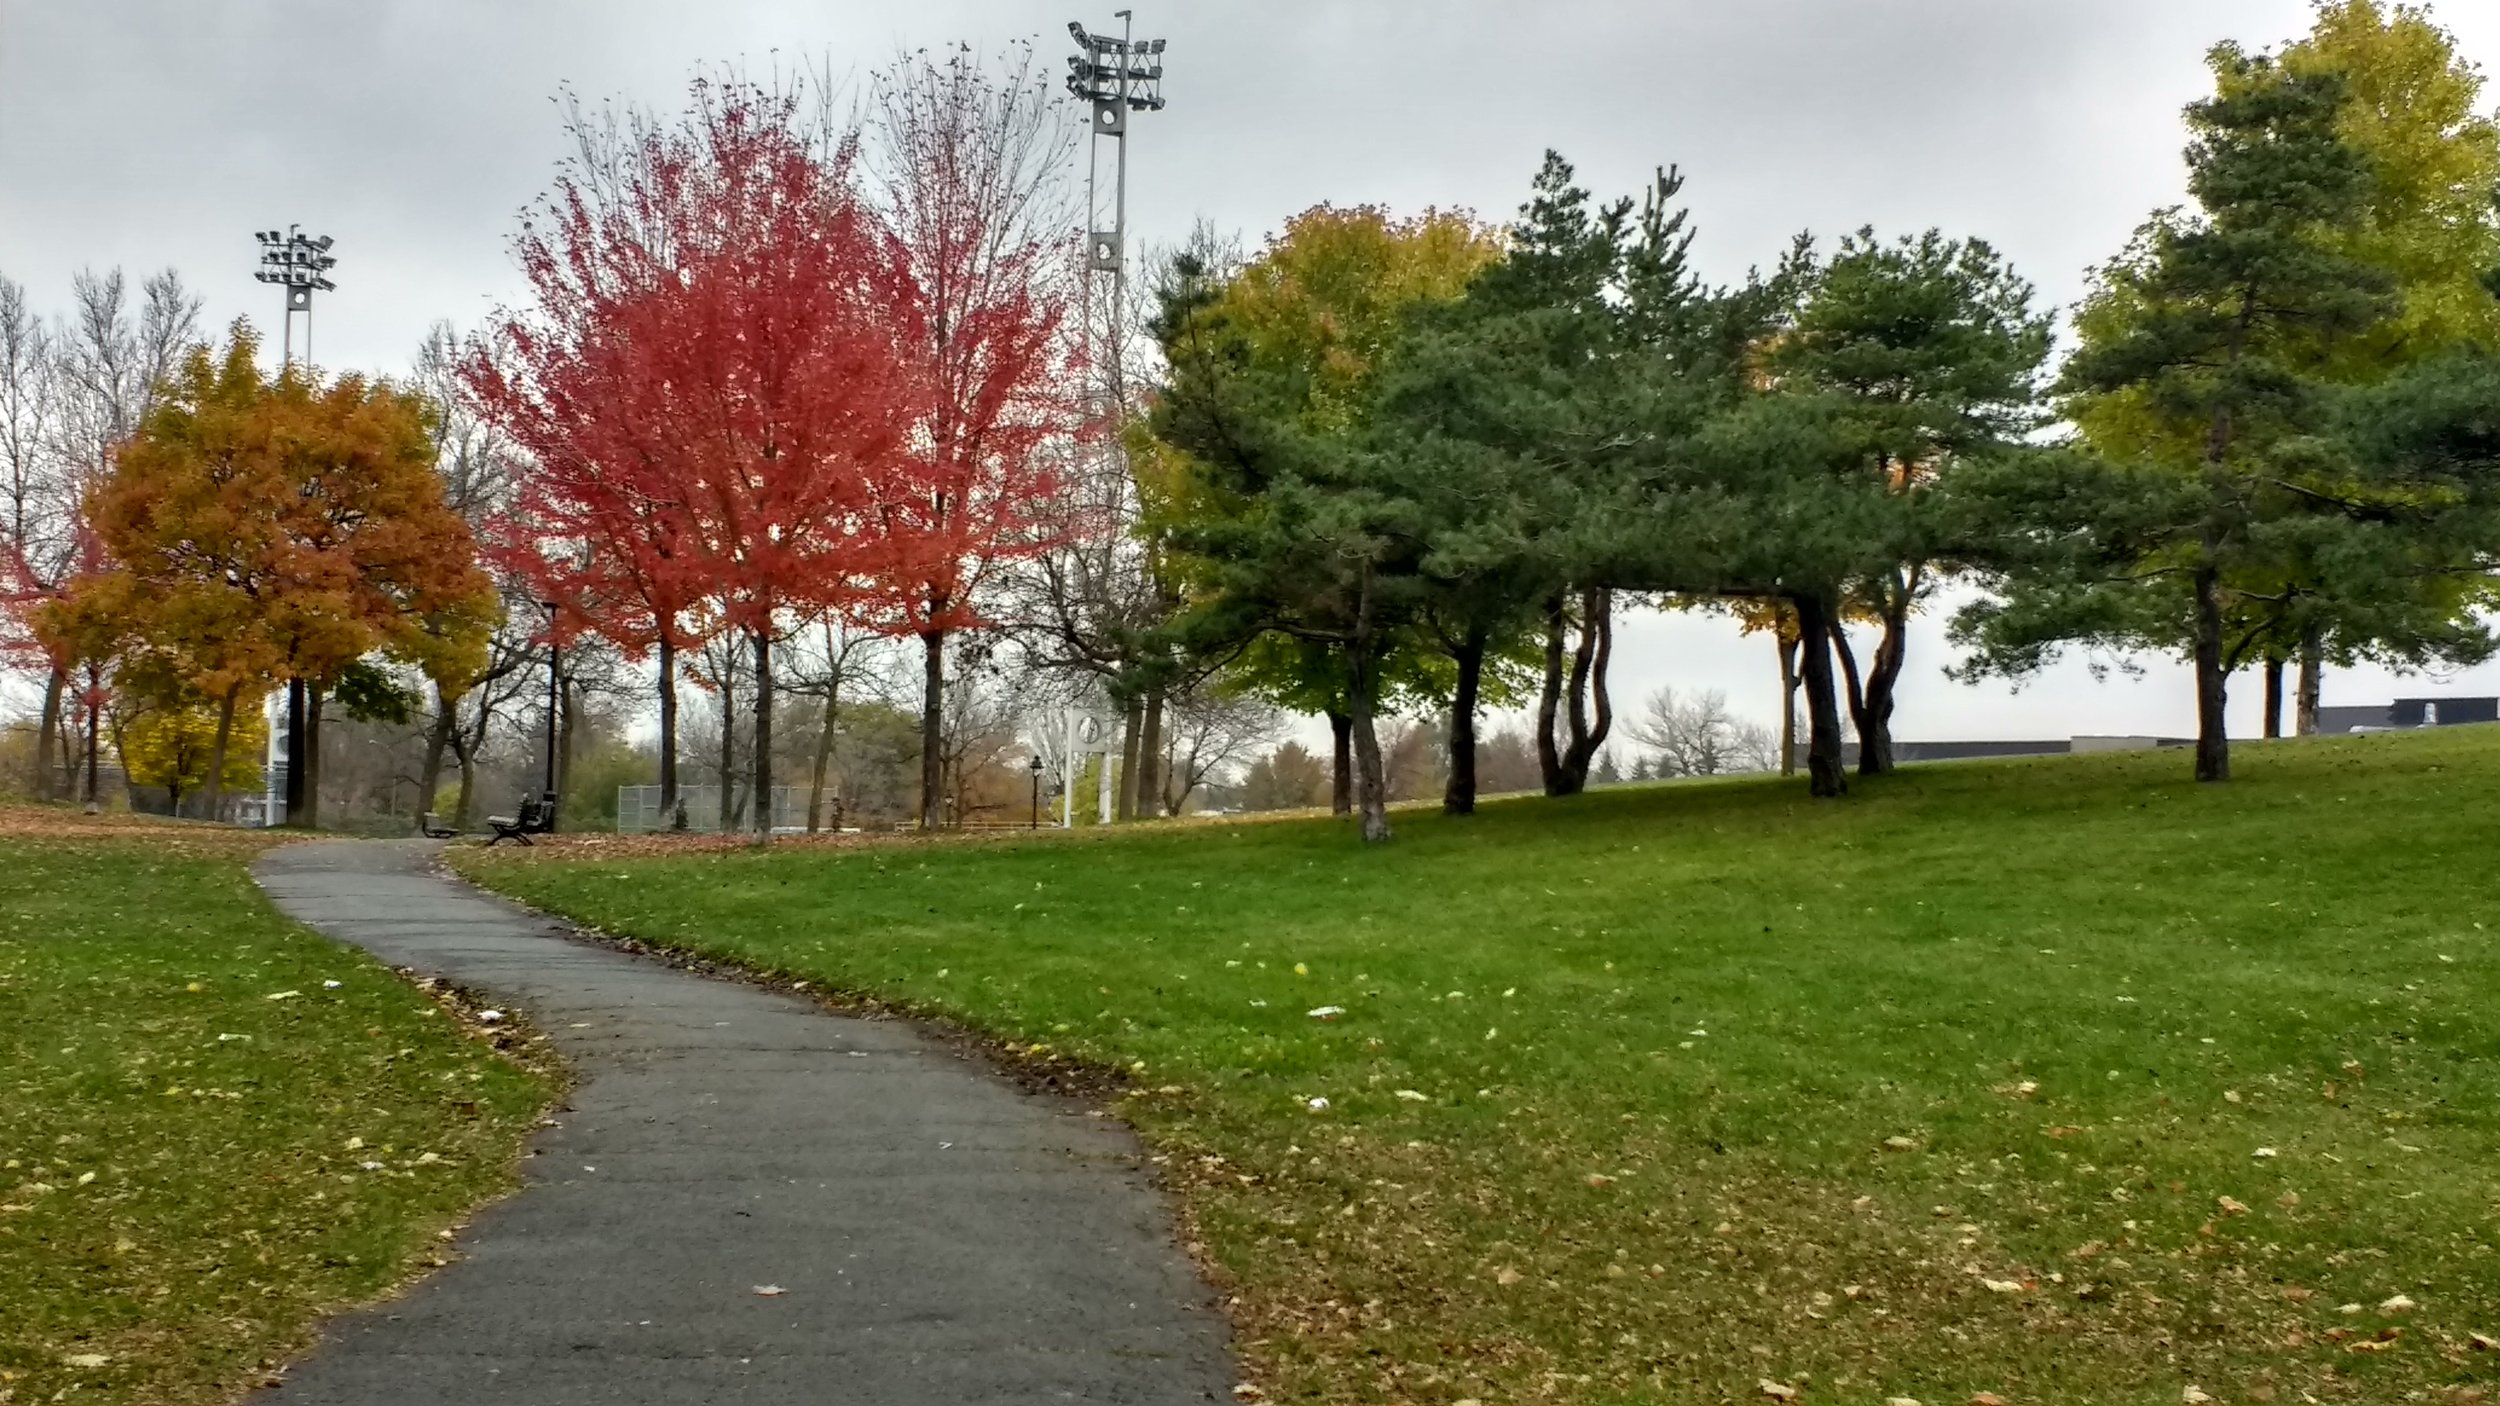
x: 86, y: 1359
x: 2484, y: 1342
x: 1413, y: 1096
x: 2193, y: 1395
x: 2231, y: 1207
x: 1986, y: 1398
x: 1900, y: 1144
x: 2398, y: 1304
x: 1506, y: 1276
x: 769, y: 1291
x: 1778, y: 1391
x: 2002, y: 1286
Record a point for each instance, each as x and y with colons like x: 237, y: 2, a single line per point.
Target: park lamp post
x: 300, y: 264
x: 1036, y: 822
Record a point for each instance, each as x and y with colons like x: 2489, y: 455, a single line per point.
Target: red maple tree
x: 707, y: 390
x: 987, y: 256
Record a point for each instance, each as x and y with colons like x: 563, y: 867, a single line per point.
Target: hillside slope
x: 2063, y: 1080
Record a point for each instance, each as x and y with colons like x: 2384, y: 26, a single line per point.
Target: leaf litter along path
x: 750, y: 1199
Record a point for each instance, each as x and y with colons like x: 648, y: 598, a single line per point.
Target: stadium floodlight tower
x: 1114, y: 77
x: 299, y: 263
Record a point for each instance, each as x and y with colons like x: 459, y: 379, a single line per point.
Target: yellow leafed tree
x: 175, y: 747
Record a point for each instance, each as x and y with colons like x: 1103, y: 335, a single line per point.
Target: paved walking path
x: 940, y: 1236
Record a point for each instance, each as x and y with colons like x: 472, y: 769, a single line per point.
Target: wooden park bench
x: 537, y: 817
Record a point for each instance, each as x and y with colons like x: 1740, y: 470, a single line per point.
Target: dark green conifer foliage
x: 2233, y: 301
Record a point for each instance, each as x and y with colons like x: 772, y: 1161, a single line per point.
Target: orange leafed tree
x: 260, y: 531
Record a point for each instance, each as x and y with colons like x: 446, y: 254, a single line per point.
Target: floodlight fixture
x: 1117, y: 74
x: 1113, y: 77
x: 300, y: 264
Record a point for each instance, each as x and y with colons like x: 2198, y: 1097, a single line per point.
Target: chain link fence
x: 638, y: 810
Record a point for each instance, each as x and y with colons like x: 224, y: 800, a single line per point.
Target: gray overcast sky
x: 155, y: 132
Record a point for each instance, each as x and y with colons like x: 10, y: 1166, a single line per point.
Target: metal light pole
x: 1116, y: 77
x: 1036, y: 822
x: 298, y: 263
x: 555, y: 677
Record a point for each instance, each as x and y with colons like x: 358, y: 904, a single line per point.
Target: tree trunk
x: 2213, y: 743
x: 1826, y: 776
x: 1460, y: 796
x: 294, y: 800
x: 1150, y: 756
x: 568, y: 731
x: 932, y: 726
x: 1371, y: 782
x: 437, y: 742
x: 728, y: 750
x: 824, y: 754
x: 1852, y: 690
x: 1341, y: 764
x: 1124, y: 782
x: 1883, y: 677
x: 763, y: 737
x: 668, y: 727
x: 1587, y: 687
x: 1788, y: 702
x: 467, y: 797
x: 95, y: 726
x: 2274, y: 696
x: 214, y: 794
x: 2312, y: 680
x: 48, y: 735
x: 1549, y: 700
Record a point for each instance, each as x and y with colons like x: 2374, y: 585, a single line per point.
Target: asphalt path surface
x: 749, y: 1199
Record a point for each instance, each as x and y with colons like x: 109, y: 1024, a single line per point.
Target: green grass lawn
x: 2067, y: 1081
x: 214, y: 1124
